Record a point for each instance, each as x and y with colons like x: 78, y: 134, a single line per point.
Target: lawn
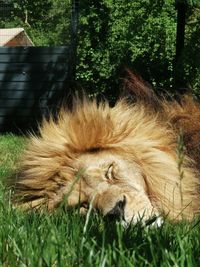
x: 66, y: 238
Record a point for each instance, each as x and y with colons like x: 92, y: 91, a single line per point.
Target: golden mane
x: 146, y: 136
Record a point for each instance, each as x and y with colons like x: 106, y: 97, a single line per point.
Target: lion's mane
x: 145, y: 134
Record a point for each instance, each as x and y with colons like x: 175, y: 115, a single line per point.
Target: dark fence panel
x: 32, y: 81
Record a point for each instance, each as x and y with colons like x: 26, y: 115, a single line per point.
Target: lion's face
x: 132, y: 174
x: 115, y: 186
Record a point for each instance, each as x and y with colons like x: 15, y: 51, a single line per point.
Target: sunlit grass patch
x: 11, y: 147
x: 66, y: 238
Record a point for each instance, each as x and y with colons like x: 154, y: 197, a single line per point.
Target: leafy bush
x: 139, y: 34
x: 47, y: 22
x: 115, y: 34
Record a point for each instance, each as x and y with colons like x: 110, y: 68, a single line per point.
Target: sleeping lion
x: 131, y: 162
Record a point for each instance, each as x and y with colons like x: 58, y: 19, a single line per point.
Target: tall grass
x: 65, y: 238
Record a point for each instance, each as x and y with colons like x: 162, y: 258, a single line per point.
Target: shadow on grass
x: 60, y: 236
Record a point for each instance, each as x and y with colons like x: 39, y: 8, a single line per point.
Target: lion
x: 127, y: 161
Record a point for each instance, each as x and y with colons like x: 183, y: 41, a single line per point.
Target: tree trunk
x: 180, y: 36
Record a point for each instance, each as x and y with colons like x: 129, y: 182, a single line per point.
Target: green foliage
x: 191, y: 55
x: 115, y: 34
x: 47, y: 22
x: 139, y: 34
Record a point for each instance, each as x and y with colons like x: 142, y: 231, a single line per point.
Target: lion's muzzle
x: 117, y: 213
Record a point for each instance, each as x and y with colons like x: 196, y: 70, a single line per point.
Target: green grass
x: 67, y: 239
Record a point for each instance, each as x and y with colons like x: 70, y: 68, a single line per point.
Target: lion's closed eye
x: 109, y: 175
x: 111, y: 172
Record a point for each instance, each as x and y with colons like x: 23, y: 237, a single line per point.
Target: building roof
x: 6, y: 35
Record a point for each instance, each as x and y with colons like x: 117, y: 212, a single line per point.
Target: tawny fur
x: 147, y: 136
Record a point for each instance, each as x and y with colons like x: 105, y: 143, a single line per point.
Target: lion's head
x: 115, y: 186
x: 122, y: 160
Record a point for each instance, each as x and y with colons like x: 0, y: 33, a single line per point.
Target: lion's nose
x: 117, y: 213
